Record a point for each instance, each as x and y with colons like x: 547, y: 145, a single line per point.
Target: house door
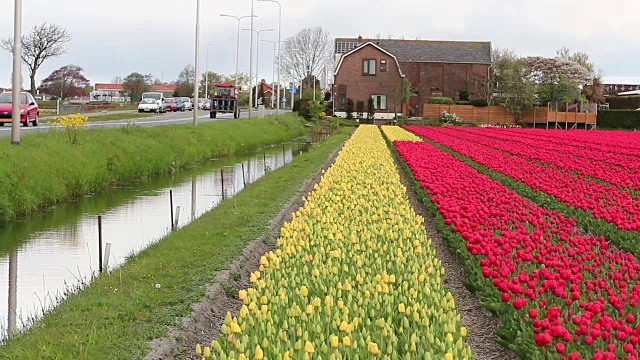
x: 414, y: 103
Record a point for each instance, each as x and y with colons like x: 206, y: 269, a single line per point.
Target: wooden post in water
x: 284, y: 157
x: 264, y: 161
x: 100, y: 242
x: 244, y: 182
x: 171, y: 206
x: 222, y: 178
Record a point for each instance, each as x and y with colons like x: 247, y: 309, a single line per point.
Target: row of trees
x: 521, y: 83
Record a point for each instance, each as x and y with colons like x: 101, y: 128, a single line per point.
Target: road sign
x: 293, y: 89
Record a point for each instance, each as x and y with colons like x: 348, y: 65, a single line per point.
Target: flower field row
x: 621, y: 172
x: 354, y: 275
x: 605, y: 202
x: 609, y: 141
x: 609, y: 153
x: 564, y: 295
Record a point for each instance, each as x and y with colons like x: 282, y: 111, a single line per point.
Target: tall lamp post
x: 196, y: 82
x: 238, y: 18
x: 273, y: 76
x: 206, y: 76
x: 17, y: 74
x: 257, y: 59
x: 279, y: 49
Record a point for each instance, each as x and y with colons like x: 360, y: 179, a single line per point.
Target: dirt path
x: 481, y: 324
x: 203, y: 325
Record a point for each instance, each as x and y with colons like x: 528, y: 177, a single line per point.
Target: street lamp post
x: 251, y: 63
x: 279, y: 48
x: 17, y: 74
x: 273, y: 67
x: 257, y: 59
x: 196, y: 84
x: 206, y: 76
x: 238, y: 18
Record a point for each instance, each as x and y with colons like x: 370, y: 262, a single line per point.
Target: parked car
x: 151, y: 105
x: 171, y: 104
x: 179, y: 104
x: 188, y: 104
x: 29, y: 110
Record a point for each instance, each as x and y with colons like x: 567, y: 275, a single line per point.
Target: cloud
x: 118, y: 37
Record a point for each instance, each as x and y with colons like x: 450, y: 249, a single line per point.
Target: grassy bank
x: 117, y: 315
x: 51, y: 167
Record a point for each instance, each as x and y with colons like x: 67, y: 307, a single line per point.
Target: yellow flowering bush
x: 354, y: 275
x: 72, y: 125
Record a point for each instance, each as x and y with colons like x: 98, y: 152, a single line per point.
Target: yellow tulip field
x: 353, y: 276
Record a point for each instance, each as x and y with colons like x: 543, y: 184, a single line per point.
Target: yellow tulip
x: 242, y: 294
x: 259, y: 353
x: 401, y: 308
x: 207, y: 352
x: 308, y: 347
x: 334, y: 341
x: 235, y: 328
x: 346, y: 341
x: 448, y: 356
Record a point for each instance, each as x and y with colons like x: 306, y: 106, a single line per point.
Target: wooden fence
x: 492, y: 115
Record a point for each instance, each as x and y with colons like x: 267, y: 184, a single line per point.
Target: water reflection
x: 60, y: 247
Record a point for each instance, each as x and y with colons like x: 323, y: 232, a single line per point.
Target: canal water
x: 45, y: 255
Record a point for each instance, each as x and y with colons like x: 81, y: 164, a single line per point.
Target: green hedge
x: 619, y: 119
x: 441, y: 100
x: 623, y: 102
x: 479, y: 103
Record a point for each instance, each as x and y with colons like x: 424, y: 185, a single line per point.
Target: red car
x: 29, y: 111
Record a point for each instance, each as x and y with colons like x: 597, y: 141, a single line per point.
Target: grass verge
x: 58, y: 165
x: 115, y: 316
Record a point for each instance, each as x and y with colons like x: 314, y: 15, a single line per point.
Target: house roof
x: 362, y: 46
x: 108, y: 87
x: 468, y: 52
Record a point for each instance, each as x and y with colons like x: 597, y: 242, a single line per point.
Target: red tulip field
x: 545, y: 223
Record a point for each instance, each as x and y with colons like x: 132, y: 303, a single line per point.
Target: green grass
x: 118, y: 314
x: 112, y: 117
x: 48, y: 168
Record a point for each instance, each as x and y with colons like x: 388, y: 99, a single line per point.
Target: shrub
x: 360, y: 109
x: 316, y: 109
x: 462, y: 103
x: 304, y: 109
x: 349, y: 108
x: 479, y: 102
x: 371, y: 111
x: 450, y: 119
x: 463, y: 95
x: 442, y: 100
x: 410, y: 111
x: 296, y: 105
x: 619, y: 119
x: 623, y: 102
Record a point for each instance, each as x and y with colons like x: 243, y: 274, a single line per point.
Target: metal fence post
x: 100, y: 242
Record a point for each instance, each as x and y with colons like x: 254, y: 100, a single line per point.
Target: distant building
x: 115, y: 92
x: 376, y: 68
x: 614, y: 89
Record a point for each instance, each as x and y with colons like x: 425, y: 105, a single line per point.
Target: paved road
x: 165, y: 119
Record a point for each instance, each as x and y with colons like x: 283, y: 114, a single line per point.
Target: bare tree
x: 578, y: 57
x: 44, y: 42
x: 117, y: 80
x: 306, y: 53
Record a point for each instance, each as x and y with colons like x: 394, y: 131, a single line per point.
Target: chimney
x: 359, y: 38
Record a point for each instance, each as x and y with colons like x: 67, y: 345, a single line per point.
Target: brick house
x: 377, y: 67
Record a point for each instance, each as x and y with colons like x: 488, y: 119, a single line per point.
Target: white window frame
x: 379, y: 101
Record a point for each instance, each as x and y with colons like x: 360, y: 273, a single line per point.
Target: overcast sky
x: 117, y: 37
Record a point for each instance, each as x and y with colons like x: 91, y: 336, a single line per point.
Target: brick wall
x: 441, y: 79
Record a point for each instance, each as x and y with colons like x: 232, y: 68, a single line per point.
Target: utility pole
x: 16, y: 92
x: 196, y: 85
x: 251, y: 64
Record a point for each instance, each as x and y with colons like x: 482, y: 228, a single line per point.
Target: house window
x: 383, y: 65
x: 342, y: 97
x: 380, y: 101
x: 369, y: 67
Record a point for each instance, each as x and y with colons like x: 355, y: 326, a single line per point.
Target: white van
x: 158, y: 97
